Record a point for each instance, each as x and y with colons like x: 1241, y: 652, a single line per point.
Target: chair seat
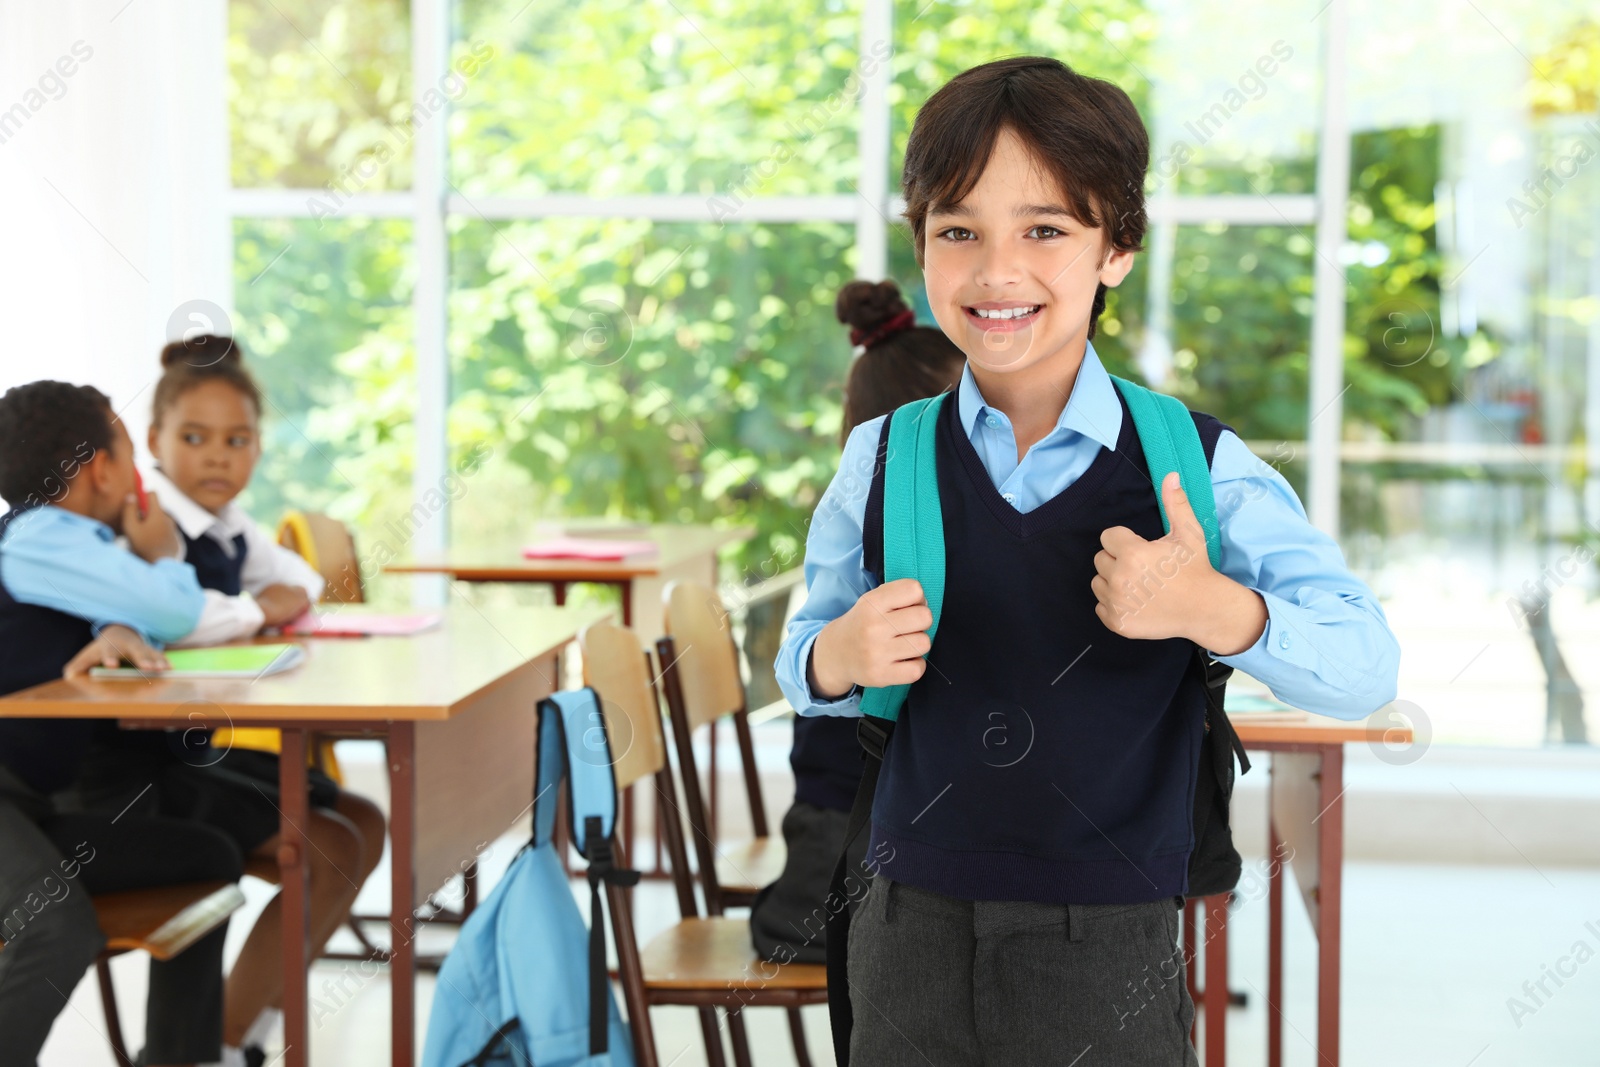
x: 750, y: 866
x: 167, y: 919
x: 264, y: 868
x: 716, y: 954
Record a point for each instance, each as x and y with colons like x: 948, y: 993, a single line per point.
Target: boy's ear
x: 1116, y: 267
x: 150, y: 438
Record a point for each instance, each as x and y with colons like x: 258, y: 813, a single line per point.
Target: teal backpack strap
x: 1171, y: 443
x: 573, y: 745
x: 913, y: 525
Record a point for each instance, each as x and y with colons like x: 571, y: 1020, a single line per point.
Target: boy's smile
x: 1012, y: 274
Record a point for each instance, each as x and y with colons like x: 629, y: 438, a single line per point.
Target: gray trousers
x: 959, y: 983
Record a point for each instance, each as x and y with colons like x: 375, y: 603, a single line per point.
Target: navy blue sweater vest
x: 212, y: 565
x: 1040, y: 757
x: 35, y: 643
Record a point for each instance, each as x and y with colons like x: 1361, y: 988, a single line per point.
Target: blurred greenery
x: 691, y: 371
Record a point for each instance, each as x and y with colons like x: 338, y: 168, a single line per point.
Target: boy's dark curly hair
x: 48, y: 430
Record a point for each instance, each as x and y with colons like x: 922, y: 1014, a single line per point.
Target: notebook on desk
x: 229, y: 661
x: 595, y: 548
x: 353, y: 624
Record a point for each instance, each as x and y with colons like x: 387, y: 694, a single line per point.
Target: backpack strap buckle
x: 874, y: 734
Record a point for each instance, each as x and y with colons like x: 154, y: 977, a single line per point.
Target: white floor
x: 1433, y: 957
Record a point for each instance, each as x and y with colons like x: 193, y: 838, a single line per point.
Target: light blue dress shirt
x: 1326, y: 648
x: 59, y: 559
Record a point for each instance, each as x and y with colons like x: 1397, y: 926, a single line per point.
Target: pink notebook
x: 340, y: 624
x: 587, y: 548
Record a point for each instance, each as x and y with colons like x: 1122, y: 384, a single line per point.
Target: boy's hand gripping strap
x: 913, y: 525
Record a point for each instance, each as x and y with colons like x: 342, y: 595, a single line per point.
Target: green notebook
x: 229, y: 661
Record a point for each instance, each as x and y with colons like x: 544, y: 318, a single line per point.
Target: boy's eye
x: 1048, y: 232
x: 239, y: 441
x: 957, y: 233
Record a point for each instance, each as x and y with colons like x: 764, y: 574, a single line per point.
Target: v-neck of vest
x: 1083, y: 489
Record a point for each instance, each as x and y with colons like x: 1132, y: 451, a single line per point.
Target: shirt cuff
x: 1284, y: 640
x: 853, y: 695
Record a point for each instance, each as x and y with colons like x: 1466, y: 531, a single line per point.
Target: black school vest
x: 213, y: 566
x: 1040, y: 757
x: 35, y: 643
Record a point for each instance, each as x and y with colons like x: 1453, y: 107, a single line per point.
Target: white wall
x: 112, y: 183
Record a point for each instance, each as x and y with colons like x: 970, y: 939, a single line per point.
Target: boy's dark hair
x: 206, y: 357
x: 48, y: 430
x: 901, y: 366
x: 1084, y: 132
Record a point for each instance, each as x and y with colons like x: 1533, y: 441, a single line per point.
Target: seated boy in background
x: 66, y: 587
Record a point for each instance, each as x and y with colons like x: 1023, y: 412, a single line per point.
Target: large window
x: 593, y: 247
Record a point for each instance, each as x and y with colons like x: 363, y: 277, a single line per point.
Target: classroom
x: 712, y: 532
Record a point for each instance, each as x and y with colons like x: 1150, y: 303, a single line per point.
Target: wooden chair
x: 708, y: 962
x: 163, y: 922
x: 326, y: 544
x: 702, y: 683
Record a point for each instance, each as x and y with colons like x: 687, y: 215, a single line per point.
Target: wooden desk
x: 1305, y: 806
x: 682, y: 552
x: 456, y: 706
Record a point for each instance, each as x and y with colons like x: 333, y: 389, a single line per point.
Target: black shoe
x: 254, y: 1056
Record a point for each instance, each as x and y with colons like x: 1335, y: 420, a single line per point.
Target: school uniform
x: 62, y: 578
x: 232, y: 789
x: 234, y: 560
x: 1032, y: 823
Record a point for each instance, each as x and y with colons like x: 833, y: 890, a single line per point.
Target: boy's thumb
x: 1180, y: 516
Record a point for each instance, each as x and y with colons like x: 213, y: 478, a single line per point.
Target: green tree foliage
x: 691, y: 371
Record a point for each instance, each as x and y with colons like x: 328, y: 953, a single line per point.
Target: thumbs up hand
x: 1167, y: 588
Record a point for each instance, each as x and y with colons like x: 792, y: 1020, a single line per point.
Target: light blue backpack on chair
x: 526, y: 983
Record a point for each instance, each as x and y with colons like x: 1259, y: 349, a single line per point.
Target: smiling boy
x: 1035, y: 805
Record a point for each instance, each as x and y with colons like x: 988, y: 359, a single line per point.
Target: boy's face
x: 207, y: 443
x: 109, y: 477
x: 1011, y: 246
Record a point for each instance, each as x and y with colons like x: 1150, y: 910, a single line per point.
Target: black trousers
x: 50, y: 864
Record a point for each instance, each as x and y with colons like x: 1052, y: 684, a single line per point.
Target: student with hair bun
x: 898, y: 362
x: 205, y: 437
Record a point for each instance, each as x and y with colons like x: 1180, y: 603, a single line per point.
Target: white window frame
x: 431, y: 204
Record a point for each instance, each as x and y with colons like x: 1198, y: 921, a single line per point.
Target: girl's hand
x: 880, y: 641
x: 115, y: 644
x: 281, y: 604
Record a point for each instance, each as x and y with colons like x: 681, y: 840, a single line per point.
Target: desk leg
x: 627, y: 603
x: 1330, y: 847
x: 293, y: 871
x: 1274, y: 942
x: 402, y: 894
x: 1216, y: 992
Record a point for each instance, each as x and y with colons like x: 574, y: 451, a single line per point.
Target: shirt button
x: 1283, y: 642
x: 994, y: 423
x: 1011, y: 498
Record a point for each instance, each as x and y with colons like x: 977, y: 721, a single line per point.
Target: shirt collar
x: 192, y: 519
x: 1092, y: 410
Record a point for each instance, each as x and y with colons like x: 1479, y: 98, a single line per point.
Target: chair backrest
x: 616, y: 665
x: 700, y: 675
x: 707, y: 658
x: 326, y: 544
